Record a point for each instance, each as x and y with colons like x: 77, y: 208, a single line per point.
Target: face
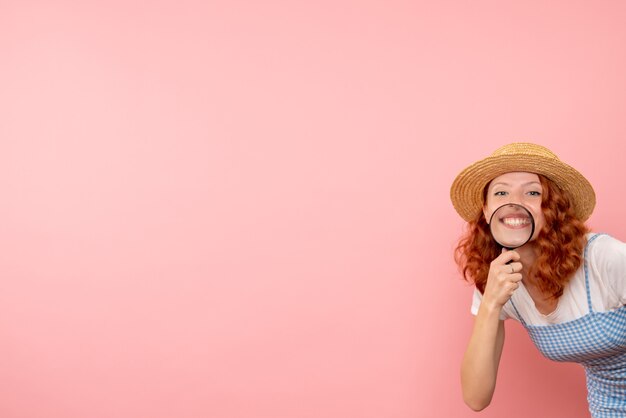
x: 520, y: 188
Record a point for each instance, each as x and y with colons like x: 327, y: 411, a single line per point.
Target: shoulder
x: 605, y: 248
x: 606, y: 258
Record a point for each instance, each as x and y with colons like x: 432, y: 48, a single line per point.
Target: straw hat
x: 467, y: 189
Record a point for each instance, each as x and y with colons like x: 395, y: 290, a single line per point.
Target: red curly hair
x: 559, y: 244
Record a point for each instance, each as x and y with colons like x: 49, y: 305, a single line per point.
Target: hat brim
x: 467, y: 189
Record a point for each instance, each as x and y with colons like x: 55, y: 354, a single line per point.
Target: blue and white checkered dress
x: 596, y: 340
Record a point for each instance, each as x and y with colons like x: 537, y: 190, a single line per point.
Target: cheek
x: 539, y: 220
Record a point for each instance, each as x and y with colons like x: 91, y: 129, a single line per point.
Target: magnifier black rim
x: 532, y: 224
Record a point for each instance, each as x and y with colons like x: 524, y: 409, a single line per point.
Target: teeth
x: 516, y: 221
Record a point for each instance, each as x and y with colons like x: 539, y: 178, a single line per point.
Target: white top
x: 607, y: 283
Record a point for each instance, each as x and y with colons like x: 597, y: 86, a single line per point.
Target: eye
x: 501, y: 193
x: 534, y: 193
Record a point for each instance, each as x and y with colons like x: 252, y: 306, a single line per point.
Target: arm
x: 479, y: 368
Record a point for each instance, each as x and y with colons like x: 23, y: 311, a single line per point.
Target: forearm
x: 479, y: 368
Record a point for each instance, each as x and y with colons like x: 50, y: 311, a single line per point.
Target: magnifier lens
x: 512, y: 226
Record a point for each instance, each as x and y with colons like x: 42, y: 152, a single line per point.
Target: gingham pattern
x: 596, y: 340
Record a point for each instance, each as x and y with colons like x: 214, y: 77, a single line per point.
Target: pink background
x: 235, y: 209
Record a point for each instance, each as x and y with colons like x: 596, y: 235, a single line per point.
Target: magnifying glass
x: 512, y: 225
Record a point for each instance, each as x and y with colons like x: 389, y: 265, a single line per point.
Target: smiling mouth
x: 515, y: 222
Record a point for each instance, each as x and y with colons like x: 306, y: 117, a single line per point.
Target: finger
x: 506, y: 269
x: 507, y: 256
x: 516, y: 267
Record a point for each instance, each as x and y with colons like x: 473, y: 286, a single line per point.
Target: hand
x: 503, y: 279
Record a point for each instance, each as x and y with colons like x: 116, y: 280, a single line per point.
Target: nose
x: 515, y: 199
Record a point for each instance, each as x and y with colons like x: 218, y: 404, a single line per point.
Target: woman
x: 565, y: 285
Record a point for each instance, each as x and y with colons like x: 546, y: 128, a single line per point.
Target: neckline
x: 547, y: 316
